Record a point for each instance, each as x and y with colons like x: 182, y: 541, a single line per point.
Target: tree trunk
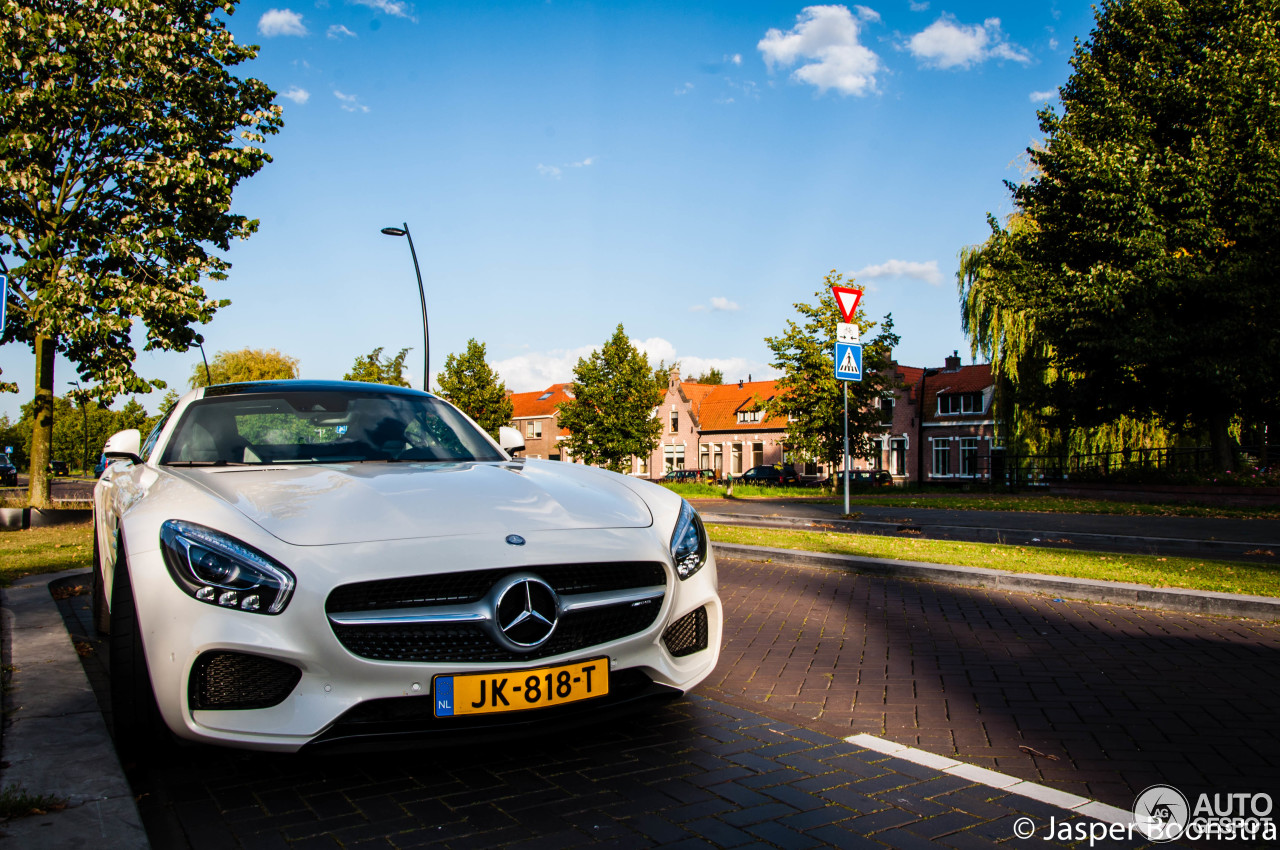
x: 1220, y: 444
x: 42, y: 427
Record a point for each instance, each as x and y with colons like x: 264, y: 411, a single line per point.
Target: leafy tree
x: 122, y: 136
x: 373, y: 368
x: 245, y: 364
x: 711, y: 376
x: 610, y: 417
x: 471, y: 385
x: 1150, y: 271
x: 808, y: 392
x: 1030, y: 417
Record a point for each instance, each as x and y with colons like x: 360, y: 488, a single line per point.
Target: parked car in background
x: 859, y: 479
x: 60, y: 467
x: 689, y: 476
x: 780, y: 474
x: 8, y: 472
x: 283, y: 564
x: 100, y: 467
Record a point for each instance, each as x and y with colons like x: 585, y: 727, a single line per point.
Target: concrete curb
x: 55, y: 740
x: 1019, y: 536
x: 1111, y: 592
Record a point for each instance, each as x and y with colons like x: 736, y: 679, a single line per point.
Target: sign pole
x: 845, y: 384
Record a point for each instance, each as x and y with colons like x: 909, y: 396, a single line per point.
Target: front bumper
x: 341, y: 696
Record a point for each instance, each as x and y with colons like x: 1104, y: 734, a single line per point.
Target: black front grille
x: 454, y: 588
x: 688, y: 634
x: 467, y: 642
x: 464, y: 642
x: 232, y: 680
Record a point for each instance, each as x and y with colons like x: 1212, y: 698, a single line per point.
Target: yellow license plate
x: 518, y: 690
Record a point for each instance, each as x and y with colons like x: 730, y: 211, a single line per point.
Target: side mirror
x: 125, y: 445
x: 510, y: 439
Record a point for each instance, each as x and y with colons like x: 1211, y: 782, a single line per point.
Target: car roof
x: 299, y: 385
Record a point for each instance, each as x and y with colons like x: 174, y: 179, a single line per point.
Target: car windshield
x: 323, y: 427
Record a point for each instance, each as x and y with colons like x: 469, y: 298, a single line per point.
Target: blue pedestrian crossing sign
x: 848, y: 362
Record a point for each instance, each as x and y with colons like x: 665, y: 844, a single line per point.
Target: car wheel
x: 140, y: 734
x: 101, y: 617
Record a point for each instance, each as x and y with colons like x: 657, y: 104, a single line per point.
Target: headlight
x: 222, y: 571
x: 689, y: 542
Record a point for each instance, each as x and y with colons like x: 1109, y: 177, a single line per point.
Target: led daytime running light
x: 221, y: 571
x: 688, y: 542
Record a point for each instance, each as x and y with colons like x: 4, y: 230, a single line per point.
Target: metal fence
x: 1042, y: 470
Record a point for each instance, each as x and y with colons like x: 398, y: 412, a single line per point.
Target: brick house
x: 939, y: 427
x: 721, y: 427
x: 942, y: 425
x: 536, y: 417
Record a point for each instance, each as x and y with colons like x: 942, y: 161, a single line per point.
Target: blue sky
x: 688, y: 169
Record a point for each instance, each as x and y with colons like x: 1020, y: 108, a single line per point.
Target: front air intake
x: 225, y: 681
x: 688, y: 634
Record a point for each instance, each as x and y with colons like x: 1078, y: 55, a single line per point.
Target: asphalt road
x: 1092, y: 699
x: 1251, y: 539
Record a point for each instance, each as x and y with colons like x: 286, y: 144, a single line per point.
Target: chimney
x: 953, y: 362
x: 739, y: 383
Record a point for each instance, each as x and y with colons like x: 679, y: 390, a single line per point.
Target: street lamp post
x: 84, y: 454
x: 426, y: 339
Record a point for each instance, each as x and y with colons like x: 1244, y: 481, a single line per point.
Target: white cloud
x: 1042, y: 96
x: 280, y: 22
x: 718, y: 303
x: 928, y: 272
x: 735, y: 58
x: 918, y: 7
x: 297, y: 95
x: 948, y: 44
x: 395, y: 8
x: 339, y: 31
x: 349, y: 102
x: 684, y: 89
x: 867, y: 14
x: 538, y: 370
x: 555, y: 172
x: 824, y: 42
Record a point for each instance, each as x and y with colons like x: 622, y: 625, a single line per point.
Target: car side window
x: 149, y: 445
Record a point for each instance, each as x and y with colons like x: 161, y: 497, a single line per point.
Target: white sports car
x: 292, y: 563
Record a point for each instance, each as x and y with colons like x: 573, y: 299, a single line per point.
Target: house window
x: 942, y: 457
x: 717, y: 459
x: 886, y: 410
x: 969, y: 456
x: 957, y: 403
x: 672, y: 458
x: 757, y: 454
x: 898, y: 455
x: 748, y: 416
x: 534, y: 428
x: 675, y: 421
x: 735, y: 459
x: 642, y: 465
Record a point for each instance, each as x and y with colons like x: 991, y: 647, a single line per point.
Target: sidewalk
x: 55, y: 741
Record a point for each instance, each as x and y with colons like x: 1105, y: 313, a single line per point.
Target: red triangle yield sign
x: 847, y: 300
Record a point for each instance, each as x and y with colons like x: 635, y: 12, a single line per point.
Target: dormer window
x: 746, y: 416
x: 952, y: 404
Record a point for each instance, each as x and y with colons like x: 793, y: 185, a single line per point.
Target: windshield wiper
x: 189, y: 463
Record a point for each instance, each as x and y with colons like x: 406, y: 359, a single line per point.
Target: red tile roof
x: 969, y: 379
x: 526, y: 405
x: 719, y: 408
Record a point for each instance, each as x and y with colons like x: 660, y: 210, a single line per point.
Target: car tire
x: 101, y: 616
x: 141, y: 736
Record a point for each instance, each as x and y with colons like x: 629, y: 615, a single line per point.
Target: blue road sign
x: 4, y: 300
x: 848, y: 362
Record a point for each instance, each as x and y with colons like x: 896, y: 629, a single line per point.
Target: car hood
x: 357, y: 503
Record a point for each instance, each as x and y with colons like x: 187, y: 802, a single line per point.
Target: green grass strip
x: 1021, y: 502
x: 1190, y: 573
x: 49, y: 549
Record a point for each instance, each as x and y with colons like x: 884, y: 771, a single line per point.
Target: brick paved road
x: 1119, y: 696
x: 1116, y: 699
